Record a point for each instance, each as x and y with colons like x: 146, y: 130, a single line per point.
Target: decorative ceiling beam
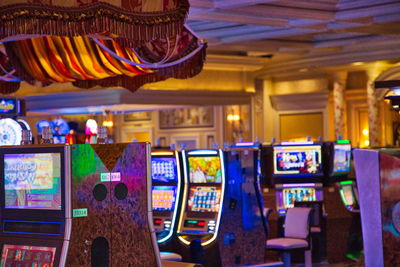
x: 353, y: 4
x: 239, y: 18
x: 387, y: 18
x: 266, y: 35
x: 233, y: 31
x: 315, y: 62
x: 368, y: 11
x: 351, y: 41
x: 273, y: 11
x: 201, y: 3
x: 307, y: 4
x: 223, y: 4
x: 389, y: 29
x: 212, y: 26
x: 261, y: 46
x: 243, y: 63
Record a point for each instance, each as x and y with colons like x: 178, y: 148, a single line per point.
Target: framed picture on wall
x: 138, y: 116
x: 186, y: 141
x: 186, y: 118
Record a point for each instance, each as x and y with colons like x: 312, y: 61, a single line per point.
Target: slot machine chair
x: 297, y: 236
x: 170, y: 256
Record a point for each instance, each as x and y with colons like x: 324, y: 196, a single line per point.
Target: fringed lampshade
x: 124, y: 43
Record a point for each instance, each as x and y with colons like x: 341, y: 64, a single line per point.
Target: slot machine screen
x: 163, y: 197
x: 204, y: 199
x: 17, y: 255
x: 348, y: 195
x: 32, y: 181
x: 297, y: 160
x: 341, y: 158
x: 205, y: 169
x: 164, y: 169
x: 291, y: 195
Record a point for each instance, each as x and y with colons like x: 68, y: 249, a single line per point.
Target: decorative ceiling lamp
x: 124, y: 43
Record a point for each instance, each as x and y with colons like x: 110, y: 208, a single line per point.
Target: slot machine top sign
x: 297, y: 160
x: 11, y: 107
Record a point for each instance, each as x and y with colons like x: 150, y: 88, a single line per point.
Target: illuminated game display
x: 288, y: 194
x: 9, y: 106
x: 32, y: 256
x: 32, y: 181
x: 204, y: 199
x: 164, y: 169
x: 204, y: 169
x: 297, y: 160
x: 166, y: 193
x: 348, y: 193
x: 163, y: 197
x: 291, y: 195
x: 10, y: 132
x: 342, y: 156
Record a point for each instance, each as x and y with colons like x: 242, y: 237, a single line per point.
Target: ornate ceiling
x: 299, y: 35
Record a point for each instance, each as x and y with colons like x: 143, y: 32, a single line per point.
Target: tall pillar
x: 270, y: 114
x: 373, y: 114
x: 373, y: 107
x: 339, y: 84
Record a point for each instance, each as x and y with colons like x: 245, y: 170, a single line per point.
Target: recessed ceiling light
x: 357, y: 63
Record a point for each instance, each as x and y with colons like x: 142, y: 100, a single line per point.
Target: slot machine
x: 204, y: 173
x: 79, y: 205
x: 243, y: 175
x: 341, y: 204
x: 220, y: 223
x: 378, y: 186
x: 166, y: 194
x: 297, y: 173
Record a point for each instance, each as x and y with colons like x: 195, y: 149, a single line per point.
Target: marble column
x: 373, y: 108
x: 339, y: 104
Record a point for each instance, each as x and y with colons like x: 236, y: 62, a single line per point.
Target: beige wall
x: 299, y: 126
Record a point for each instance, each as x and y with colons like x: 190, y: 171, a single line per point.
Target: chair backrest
x: 316, y: 211
x: 297, y: 222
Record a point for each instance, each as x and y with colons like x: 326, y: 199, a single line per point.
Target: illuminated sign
x: 7, y: 105
x: 10, y: 107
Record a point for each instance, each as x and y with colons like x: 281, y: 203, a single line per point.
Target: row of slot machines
x: 318, y: 175
x: 83, y: 205
x: 206, y: 204
x: 76, y: 205
x: 101, y: 205
x: 299, y: 171
x: 189, y: 186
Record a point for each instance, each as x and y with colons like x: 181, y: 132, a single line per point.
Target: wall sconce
x: 108, y: 122
x: 233, y: 117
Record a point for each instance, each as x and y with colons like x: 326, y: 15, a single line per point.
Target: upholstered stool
x: 170, y: 256
x: 296, y: 236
